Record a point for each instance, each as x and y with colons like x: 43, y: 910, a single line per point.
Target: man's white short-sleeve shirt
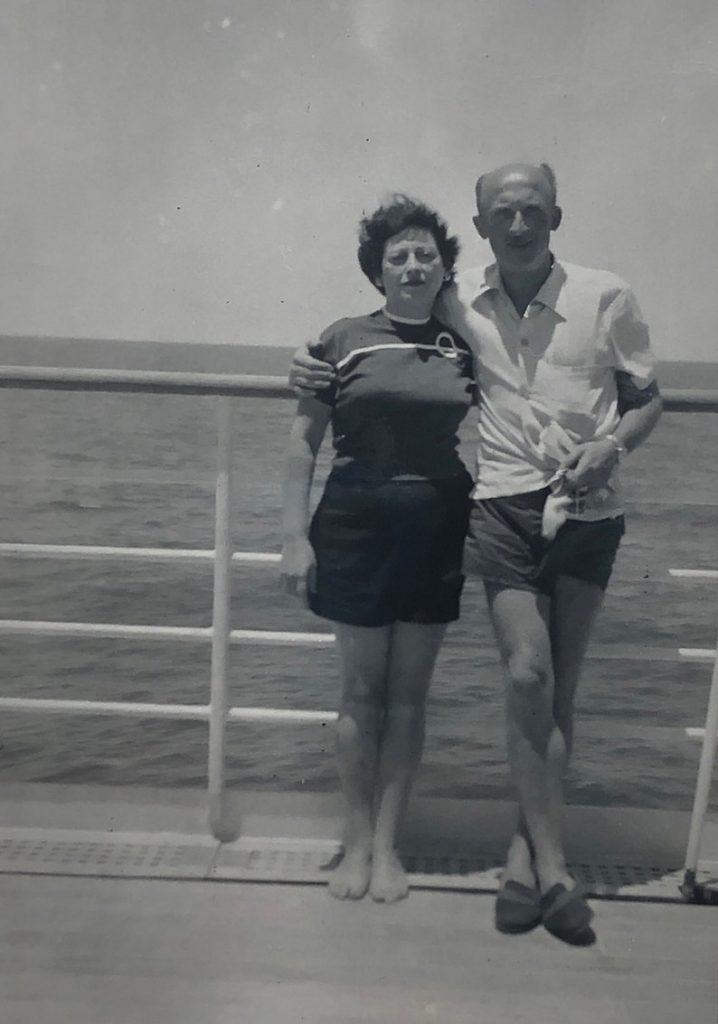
x: 556, y: 362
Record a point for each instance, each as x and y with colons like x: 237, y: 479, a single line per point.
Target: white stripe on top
x: 447, y: 353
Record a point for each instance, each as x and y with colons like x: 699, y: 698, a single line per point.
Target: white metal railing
x: 709, y: 734
x: 80, y: 552
x: 220, y: 635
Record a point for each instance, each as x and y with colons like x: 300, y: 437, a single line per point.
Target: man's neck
x: 523, y: 286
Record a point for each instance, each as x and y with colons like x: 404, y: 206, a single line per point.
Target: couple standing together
x: 558, y: 360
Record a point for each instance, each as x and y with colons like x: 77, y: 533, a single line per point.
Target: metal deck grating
x: 37, y: 851
x: 258, y: 859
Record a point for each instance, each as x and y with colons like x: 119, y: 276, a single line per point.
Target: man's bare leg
x: 364, y: 658
x: 574, y: 609
x: 413, y: 653
x: 535, y: 744
x: 520, y: 856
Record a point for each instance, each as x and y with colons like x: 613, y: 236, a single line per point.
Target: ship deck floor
x: 144, y: 951
x: 80, y: 947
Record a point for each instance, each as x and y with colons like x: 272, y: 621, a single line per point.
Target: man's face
x: 517, y: 216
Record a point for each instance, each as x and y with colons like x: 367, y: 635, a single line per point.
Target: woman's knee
x: 408, y: 686
x: 363, y: 686
x: 408, y: 698
x: 356, y: 724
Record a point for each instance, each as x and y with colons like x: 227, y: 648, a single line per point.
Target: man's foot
x: 350, y: 879
x: 567, y: 915
x: 389, y: 882
x: 553, y: 874
x: 517, y: 909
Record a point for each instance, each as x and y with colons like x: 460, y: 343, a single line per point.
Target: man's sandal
x: 518, y: 908
x: 567, y: 915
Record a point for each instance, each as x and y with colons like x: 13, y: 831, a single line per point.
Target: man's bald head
x: 541, y: 175
x: 516, y: 213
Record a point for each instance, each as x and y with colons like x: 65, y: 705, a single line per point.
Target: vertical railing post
x: 689, y: 888
x: 218, y: 817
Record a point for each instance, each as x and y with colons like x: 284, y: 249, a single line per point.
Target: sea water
x: 138, y: 470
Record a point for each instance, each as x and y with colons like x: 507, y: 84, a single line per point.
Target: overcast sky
x: 194, y: 170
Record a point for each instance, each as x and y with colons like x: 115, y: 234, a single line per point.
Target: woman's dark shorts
x: 390, y: 551
x: 504, y: 545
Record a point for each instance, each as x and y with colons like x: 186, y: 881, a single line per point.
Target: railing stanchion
x: 218, y: 818
x: 689, y: 888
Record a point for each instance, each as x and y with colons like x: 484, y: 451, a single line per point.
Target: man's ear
x: 556, y: 217
x: 480, y: 226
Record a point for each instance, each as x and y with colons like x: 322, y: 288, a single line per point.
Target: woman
x: 382, y: 557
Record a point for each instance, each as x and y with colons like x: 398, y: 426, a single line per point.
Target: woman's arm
x: 308, y: 430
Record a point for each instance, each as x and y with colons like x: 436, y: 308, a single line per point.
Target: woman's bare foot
x: 388, y: 878
x: 350, y: 879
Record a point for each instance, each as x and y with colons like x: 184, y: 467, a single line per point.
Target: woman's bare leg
x: 364, y: 658
x: 414, y: 648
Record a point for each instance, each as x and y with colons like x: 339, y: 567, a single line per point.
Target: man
x: 566, y: 387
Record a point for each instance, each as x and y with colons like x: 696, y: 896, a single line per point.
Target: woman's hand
x: 307, y: 374
x: 298, y: 567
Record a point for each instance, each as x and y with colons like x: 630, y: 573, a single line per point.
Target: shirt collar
x: 550, y: 294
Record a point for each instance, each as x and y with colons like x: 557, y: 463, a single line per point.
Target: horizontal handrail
x: 203, y: 634
x: 103, y: 552
x: 89, y: 552
x: 689, y: 400
x: 185, y: 712
x: 168, y: 382
x: 188, y: 634
x: 55, y: 378
x: 287, y: 716
x: 695, y: 574
x: 697, y: 653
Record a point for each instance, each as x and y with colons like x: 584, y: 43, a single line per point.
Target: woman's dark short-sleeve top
x: 400, y: 394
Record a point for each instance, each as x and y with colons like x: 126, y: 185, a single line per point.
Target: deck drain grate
x: 39, y: 855
x: 286, y: 860
x: 437, y: 870
x: 629, y: 879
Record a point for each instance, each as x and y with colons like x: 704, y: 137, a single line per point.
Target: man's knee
x: 529, y: 678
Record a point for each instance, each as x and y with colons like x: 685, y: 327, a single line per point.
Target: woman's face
x: 412, y: 272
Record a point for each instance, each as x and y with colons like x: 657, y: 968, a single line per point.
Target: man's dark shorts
x: 505, y: 547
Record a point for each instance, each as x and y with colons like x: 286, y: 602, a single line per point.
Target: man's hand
x: 307, y: 374
x: 590, y: 464
x: 298, y: 567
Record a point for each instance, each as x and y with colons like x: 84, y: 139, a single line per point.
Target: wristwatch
x: 620, y: 448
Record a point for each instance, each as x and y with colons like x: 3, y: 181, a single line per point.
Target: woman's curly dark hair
x: 399, y: 213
